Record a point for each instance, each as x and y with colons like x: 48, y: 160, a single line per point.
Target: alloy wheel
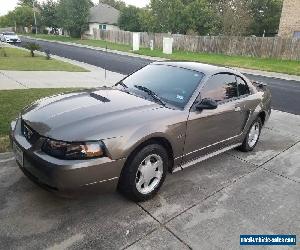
x: 149, y: 174
x: 253, y: 134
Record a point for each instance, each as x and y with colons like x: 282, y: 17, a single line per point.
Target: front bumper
x: 64, y: 175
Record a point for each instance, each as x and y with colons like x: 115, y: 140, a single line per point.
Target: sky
x: 7, y: 5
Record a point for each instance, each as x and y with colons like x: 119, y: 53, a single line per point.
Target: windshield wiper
x: 151, y: 93
x: 122, y: 84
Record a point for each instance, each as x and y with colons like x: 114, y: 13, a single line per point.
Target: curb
x: 242, y: 70
x: 7, y: 156
x: 268, y: 74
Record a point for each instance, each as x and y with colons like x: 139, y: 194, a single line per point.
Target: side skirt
x: 205, y: 157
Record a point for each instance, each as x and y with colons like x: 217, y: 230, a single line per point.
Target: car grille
x: 31, y: 135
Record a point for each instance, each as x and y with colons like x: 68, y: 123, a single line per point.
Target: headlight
x: 74, y: 151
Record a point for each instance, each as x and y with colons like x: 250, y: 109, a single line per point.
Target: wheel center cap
x: 148, y: 172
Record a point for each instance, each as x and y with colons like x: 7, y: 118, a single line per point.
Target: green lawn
x: 12, y: 102
x: 53, y: 37
x: 273, y: 65
x: 94, y: 43
x: 17, y: 59
x: 104, y: 44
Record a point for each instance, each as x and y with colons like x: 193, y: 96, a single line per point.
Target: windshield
x: 9, y: 33
x: 173, y: 85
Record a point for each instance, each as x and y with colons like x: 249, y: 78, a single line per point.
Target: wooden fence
x: 264, y: 47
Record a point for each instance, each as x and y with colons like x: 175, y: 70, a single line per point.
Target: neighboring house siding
x: 97, y: 26
x: 103, y: 17
x: 290, y: 19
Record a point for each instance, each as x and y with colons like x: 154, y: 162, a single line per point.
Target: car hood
x: 11, y: 36
x: 86, y: 115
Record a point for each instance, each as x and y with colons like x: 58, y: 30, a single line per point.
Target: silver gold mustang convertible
x: 163, y: 118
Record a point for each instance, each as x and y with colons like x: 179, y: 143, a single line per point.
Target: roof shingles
x: 103, y: 13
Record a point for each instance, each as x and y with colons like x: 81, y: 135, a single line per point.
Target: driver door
x: 209, y: 130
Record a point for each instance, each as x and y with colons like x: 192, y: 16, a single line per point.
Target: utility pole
x: 33, y: 7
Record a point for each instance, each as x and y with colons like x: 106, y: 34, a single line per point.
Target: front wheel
x: 144, y: 173
x: 252, y: 136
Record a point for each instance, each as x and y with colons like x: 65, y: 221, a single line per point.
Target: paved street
x: 113, y: 62
x: 203, y: 207
x: 285, y: 93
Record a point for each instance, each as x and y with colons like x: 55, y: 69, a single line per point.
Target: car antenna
x: 105, y: 62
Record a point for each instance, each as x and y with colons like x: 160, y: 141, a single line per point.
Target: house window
x: 102, y: 26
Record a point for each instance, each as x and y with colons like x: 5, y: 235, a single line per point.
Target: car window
x: 9, y: 33
x: 173, y: 85
x: 243, y: 87
x: 220, y: 87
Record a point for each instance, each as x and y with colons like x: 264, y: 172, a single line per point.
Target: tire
x: 252, y: 136
x: 135, y: 181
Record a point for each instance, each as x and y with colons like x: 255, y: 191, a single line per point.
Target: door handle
x: 237, y: 109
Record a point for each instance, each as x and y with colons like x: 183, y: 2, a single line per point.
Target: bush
x: 45, y: 32
x: 32, y: 47
x: 48, y: 55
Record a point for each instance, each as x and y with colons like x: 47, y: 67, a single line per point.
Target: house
x: 103, y: 17
x: 290, y: 19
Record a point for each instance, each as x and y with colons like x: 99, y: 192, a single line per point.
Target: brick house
x: 290, y: 19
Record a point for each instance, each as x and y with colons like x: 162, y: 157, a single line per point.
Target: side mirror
x: 206, y: 104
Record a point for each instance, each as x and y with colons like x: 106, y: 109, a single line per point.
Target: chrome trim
x: 205, y: 157
x: 98, y: 182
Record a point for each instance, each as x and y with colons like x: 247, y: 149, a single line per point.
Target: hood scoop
x: 99, y: 97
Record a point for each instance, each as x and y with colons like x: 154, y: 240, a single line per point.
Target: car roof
x: 206, y: 69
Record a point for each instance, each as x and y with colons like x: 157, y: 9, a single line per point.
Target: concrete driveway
x: 206, y: 206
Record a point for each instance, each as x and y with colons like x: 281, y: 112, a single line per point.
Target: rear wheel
x: 252, y: 136
x: 144, y: 173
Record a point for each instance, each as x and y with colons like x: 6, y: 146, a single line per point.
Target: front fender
x: 122, y: 146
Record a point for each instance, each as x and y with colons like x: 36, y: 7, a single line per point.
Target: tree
x: 181, y: 16
x: 28, y: 3
x: 234, y: 16
x: 74, y: 16
x: 22, y: 16
x: 5, y: 21
x: 168, y: 16
x: 201, y: 18
x: 266, y: 16
x: 146, y: 20
x: 32, y: 47
x: 49, y: 16
x: 130, y: 19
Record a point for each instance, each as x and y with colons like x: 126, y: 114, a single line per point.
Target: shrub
x: 32, y: 47
x: 48, y: 55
